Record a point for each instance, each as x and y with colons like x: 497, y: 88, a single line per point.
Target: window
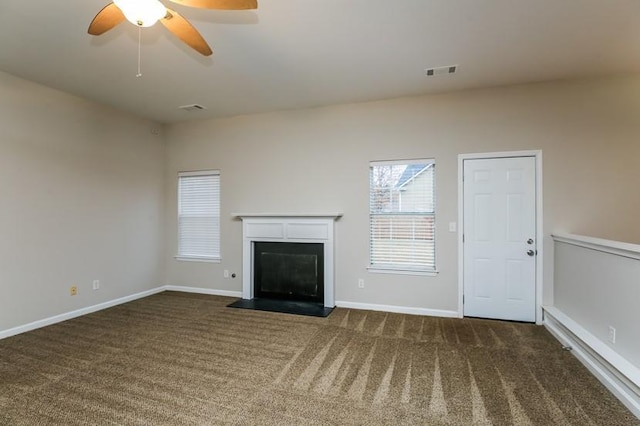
x: 199, y: 215
x: 402, y: 216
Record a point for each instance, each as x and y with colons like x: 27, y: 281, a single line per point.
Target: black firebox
x: 289, y: 271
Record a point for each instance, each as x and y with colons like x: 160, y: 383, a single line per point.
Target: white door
x: 499, y: 247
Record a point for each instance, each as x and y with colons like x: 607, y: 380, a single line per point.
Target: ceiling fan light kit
x: 145, y: 13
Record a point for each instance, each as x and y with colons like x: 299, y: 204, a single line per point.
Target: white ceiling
x: 304, y: 53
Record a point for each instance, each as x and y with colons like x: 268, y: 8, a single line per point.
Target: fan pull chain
x: 139, y: 43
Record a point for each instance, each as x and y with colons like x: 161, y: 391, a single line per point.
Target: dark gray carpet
x: 182, y: 359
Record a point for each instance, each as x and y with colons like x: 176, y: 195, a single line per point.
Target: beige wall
x: 82, y: 199
x: 89, y: 193
x: 317, y: 160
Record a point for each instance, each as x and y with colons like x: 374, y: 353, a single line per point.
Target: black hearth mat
x: 283, y: 306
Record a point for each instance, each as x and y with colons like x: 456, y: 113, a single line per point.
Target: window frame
x: 403, y: 269
x: 217, y: 257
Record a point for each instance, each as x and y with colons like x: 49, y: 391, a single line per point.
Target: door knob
x: 530, y: 241
x: 531, y: 252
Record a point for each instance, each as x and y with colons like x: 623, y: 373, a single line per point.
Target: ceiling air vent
x: 450, y: 69
x: 191, y: 108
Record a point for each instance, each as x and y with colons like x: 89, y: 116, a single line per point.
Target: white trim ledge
x: 198, y: 259
x: 397, y: 309
x: 619, y: 376
x: 613, y: 247
x: 77, y: 313
x: 334, y: 215
x: 375, y: 270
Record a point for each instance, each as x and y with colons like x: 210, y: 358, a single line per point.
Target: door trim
x: 537, y: 154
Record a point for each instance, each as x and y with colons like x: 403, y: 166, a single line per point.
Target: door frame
x: 537, y: 154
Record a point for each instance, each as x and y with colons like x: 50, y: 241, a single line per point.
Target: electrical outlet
x: 96, y: 284
x: 612, y: 334
x: 360, y: 283
x: 73, y: 290
x: 226, y: 273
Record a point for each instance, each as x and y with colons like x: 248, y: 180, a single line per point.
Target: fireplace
x: 288, y: 257
x: 288, y: 271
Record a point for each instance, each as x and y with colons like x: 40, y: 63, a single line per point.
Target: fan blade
x: 182, y: 29
x: 107, y: 18
x: 220, y: 4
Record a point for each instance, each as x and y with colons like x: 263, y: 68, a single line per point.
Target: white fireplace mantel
x: 294, y: 228
x: 333, y: 216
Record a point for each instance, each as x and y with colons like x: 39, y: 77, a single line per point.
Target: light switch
x: 452, y: 227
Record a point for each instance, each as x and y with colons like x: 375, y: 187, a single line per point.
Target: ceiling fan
x: 145, y: 13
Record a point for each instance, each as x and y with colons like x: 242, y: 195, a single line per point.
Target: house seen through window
x: 402, y: 215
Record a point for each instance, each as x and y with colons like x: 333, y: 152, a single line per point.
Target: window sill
x: 197, y: 259
x: 378, y: 270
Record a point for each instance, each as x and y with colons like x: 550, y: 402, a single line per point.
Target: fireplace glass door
x: 289, y: 271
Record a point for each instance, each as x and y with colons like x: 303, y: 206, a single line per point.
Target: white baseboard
x: 619, y: 376
x: 77, y: 313
x: 398, y: 309
x: 199, y: 290
x: 238, y: 294
x: 90, y: 309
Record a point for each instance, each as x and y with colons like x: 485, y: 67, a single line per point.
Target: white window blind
x: 402, y: 215
x: 199, y: 215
